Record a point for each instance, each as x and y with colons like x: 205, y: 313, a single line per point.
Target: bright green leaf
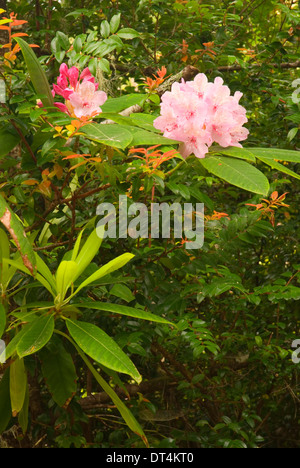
x: 100, y: 347
x: 123, y: 310
x: 17, y: 385
x: 36, y: 335
x: 115, y: 23
x: 36, y: 72
x: 111, y: 266
x: 238, y: 173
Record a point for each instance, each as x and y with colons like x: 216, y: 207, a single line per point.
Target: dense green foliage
x: 131, y: 342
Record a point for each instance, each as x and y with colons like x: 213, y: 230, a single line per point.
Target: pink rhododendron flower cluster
x: 82, y: 98
x: 199, y: 113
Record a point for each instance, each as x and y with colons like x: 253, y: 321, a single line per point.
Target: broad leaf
x: 123, y: 292
x: 100, y: 347
x: 109, y: 134
x: 8, y: 141
x: 238, y: 173
x: 37, y: 74
x: 141, y: 136
x: 127, y: 33
x: 115, y: 23
x: 234, y: 151
x: 123, y: 102
x: 59, y: 371
x: 36, y: 335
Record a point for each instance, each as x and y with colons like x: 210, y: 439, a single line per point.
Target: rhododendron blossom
x: 82, y: 98
x: 199, y: 113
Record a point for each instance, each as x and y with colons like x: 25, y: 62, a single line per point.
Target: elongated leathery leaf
x: 280, y: 167
x: 109, y: 267
x: 18, y: 384
x: 37, y: 74
x: 109, y: 134
x: 101, y: 347
x: 124, y: 411
x: 85, y: 255
x: 123, y: 310
x: 15, y: 228
x: 276, y: 153
x: 237, y: 172
x: 36, y: 335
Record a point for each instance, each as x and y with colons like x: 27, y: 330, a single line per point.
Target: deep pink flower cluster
x: 80, y: 92
x: 199, y: 113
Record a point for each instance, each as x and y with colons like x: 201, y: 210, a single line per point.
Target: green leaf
x: 65, y: 275
x: 105, y: 29
x: 124, y: 411
x: 275, y: 153
x: 123, y: 292
x: 81, y: 12
x: 43, y: 269
x: 59, y: 371
x: 37, y: 74
x: 4, y: 253
x: 109, y: 134
x: 63, y: 40
x: 115, y: 23
x: 280, y: 167
x: 100, y: 347
x: 104, y: 65
x: 234, y: 151
x: 75, y: 250
x: 2, y: 320
x: 123, y: 310
x: 88, y: 251
x: 109, y: 267
x: 8, y: 141
x: 115, y: 105
x: 77, y: 44
x: 36, y: 335
x: 5, y: 405
x: 15, y: 228
x: 144, y: 121
x: 238, y: 173
x: 127, y: 33
x: 17, y: 385
x: 144, y: 137
x: 23, y: 414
